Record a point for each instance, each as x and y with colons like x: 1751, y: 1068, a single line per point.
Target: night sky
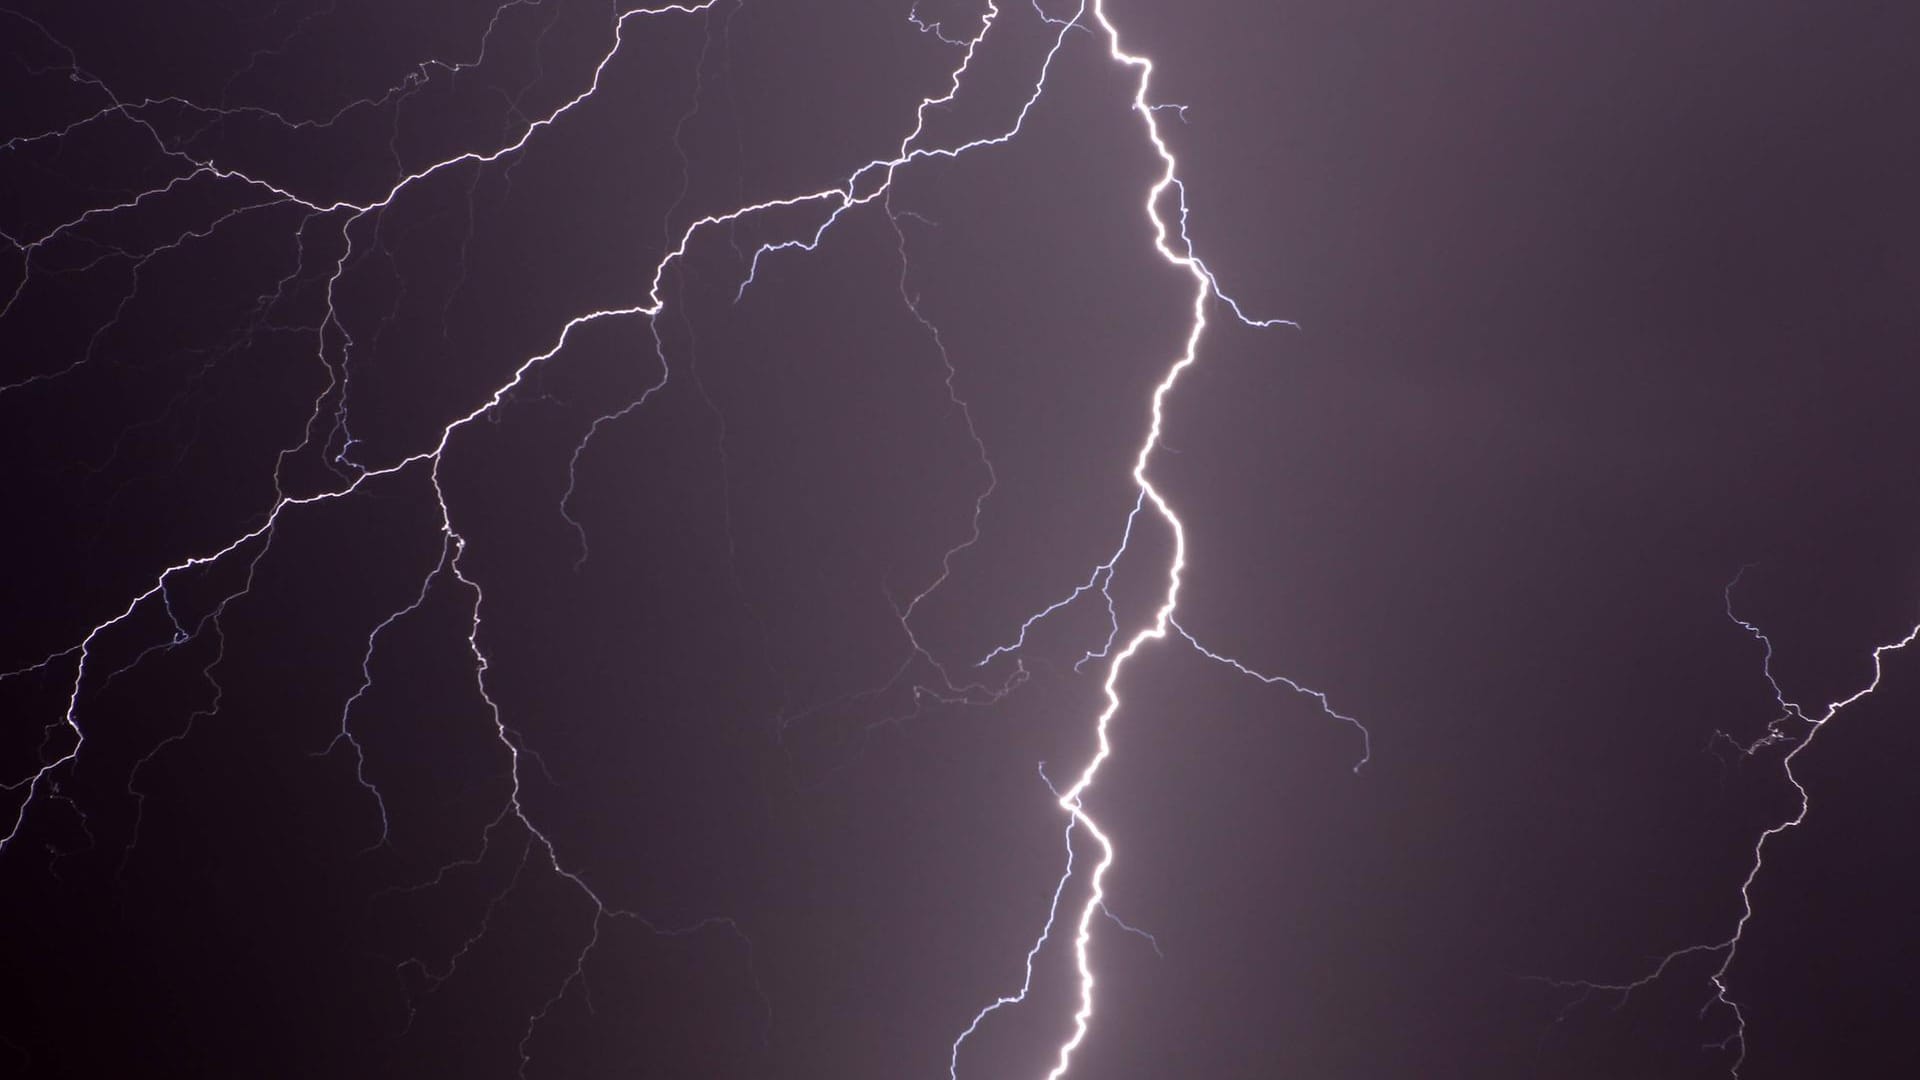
x: 411, y: 679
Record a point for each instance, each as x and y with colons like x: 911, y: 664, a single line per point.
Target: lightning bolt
x: 1072, y: 801
x: 348, y: 231
x: 1794, y: 724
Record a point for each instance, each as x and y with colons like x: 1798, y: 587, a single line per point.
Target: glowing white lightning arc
x: 1072, y: 800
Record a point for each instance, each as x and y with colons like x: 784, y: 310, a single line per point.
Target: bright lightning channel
x: 1073, y: 799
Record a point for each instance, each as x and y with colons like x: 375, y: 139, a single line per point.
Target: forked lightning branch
x: 101, y: 653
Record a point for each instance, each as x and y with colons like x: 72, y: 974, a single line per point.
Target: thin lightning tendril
x: 1778, y: 730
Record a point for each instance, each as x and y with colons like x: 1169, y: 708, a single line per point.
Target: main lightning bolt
x: 1072, y: 800
x: 327, y: 433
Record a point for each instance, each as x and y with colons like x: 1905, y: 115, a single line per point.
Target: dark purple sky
x: 1597, y: 304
